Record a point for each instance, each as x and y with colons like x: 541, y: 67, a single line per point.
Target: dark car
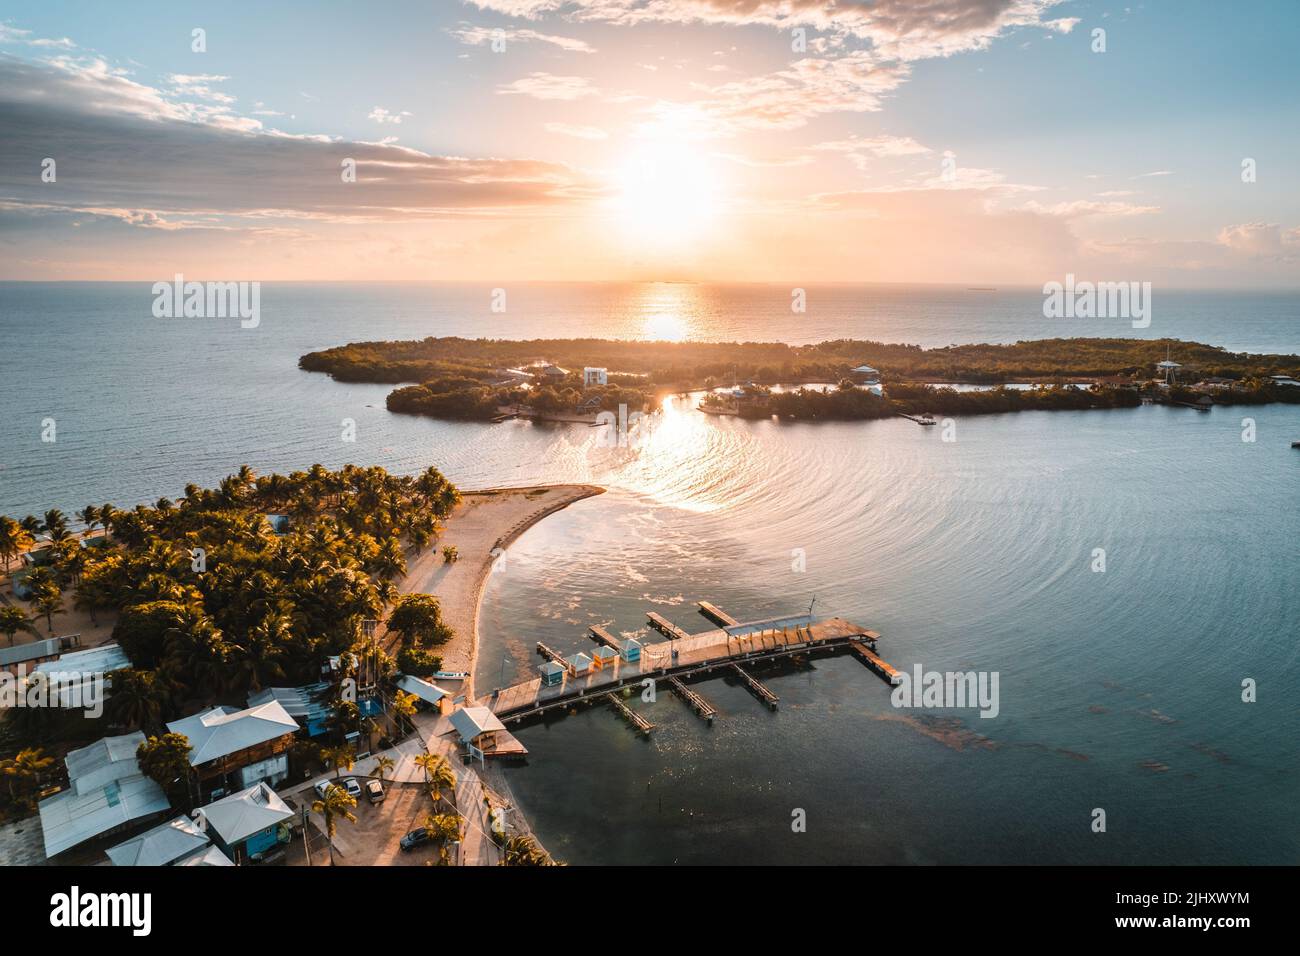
x: 417, y: 837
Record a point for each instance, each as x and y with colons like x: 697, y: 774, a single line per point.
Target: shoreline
x: 483, y: 522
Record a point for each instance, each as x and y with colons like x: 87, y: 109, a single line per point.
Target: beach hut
x: 279, y: 523
x: 578, y: 665
x: 630, y: 650
x: 552, y: 674
x: 604, y: 657
x: 477, y: 727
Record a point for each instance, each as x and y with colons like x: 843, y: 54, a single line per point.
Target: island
x: 578, y: 379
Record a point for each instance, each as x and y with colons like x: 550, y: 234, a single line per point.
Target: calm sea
x: 1119, y: 690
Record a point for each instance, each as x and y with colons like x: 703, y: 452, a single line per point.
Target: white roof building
x: 427, y: 692
x: 93, y: 660
x: 222, y: 731
x: 209, y: 857
x: 240, y: 815
x: 107, y: 790
x: 470, y: 722
x: 162, y: 845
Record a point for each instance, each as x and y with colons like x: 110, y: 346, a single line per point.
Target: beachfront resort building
x: 238, y: 747
x: 553, y: 373
x: 594, y: 376
x: 865, y: 375
x: 250, y: 824
x: 106, y: 792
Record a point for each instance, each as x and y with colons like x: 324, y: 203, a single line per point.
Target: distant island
x: 576, y: 379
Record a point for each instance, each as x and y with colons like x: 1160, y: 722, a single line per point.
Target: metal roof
x: 303, y: 703
x: 209, y: 857
x: 472, y: 721
x: 240, y: 815
x: 164, y: 844
x: 107, y: 791
x: 20, y: 653
x: 429, y: 693
x: 93, y: 660
x: 224, y: 730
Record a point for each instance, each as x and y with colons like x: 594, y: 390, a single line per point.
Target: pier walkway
x: 693, y: 654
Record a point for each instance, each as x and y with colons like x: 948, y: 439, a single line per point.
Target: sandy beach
x: 482, y: 522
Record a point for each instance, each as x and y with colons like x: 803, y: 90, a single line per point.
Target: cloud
x: 1261, y: 240
x: 548, y: 86
x: 10, y: 34
x: 126, y: 152
x: 381, y: 115
x: 484, y: 36
x: 895, y: 29
x: 1083, y: 208
x: 1158, y: 172
x: 578, y: 132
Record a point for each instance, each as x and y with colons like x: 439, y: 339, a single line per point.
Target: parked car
x: 323, y: 788
x: 417, y: 837
x: 352, y: 787
x: 374, y: 791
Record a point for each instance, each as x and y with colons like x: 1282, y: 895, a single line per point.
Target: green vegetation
x: 166, y: 761
x: 335, y: 804
x: 23, y: 775
x: 258, y: 608
x: 477, y: 401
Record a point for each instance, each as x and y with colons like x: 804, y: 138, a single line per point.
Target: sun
x: 669, y: 193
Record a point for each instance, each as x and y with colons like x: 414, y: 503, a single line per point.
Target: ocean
x: 1120, y: 690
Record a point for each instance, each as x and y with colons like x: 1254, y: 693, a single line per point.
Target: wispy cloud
x: 548, y: 86
x: 486, y: 36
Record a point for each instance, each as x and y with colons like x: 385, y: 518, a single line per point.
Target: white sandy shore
x: 482, y: 522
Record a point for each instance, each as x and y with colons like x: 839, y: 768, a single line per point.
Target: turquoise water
x: 1119, y: 690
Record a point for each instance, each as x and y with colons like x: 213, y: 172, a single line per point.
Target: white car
x: 352, y: 787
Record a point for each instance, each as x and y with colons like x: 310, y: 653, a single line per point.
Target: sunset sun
x: 667, y: 193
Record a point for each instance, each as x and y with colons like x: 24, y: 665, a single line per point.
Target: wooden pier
x: 756, y: 687
x: 550, y: 655
x: 919, y: 419
x: 642, y: 725
x: 691, y: 656
x: 717, y: 615
x: 872, y: 660
x: 602, y: 636
x: 701, y: 706
x: 666, y: 627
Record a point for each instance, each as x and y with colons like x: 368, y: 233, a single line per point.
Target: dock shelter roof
x: 240, y: 815
x: 472, y: 721
x: 224, y: 730
x: 160, y: 846
x: 772, y: 624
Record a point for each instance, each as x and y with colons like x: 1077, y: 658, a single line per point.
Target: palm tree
x: 337, y: 802
x: 437, y: 774
x: 90, y: 517
x: 14, y: 539
x: 46, y: 595
x: 107, y: 515
x: 404, y: 708
x: 522, y: 850
x: 12, y: 620
x: 139, y: 699
x: 383, y: 764
x: 444, y: 827
x: 25, y: 769
x: 55, y: 525
x: 343, y: 758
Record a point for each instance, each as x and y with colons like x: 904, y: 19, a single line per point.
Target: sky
x: 946, y: 141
